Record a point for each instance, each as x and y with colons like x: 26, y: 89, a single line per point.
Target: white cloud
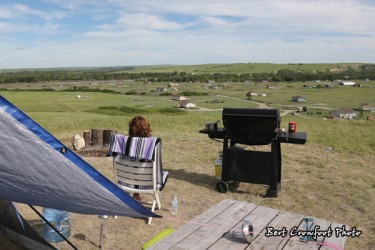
x: 128, y: 32
x: 146, y: 21
x: 215, y: 21
x: 24, y: 12
x: 6, y: 13
x: 43, y: 29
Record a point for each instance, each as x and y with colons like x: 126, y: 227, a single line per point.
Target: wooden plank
x: 259, y: 218
x: 336, y: 241
x: 217, y: 229
x: 209, y: 233
x: 283, y: 222
x: 191, y: 226
x: 295, y: 242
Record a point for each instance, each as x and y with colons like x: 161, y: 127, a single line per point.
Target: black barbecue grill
x: 251, y: 127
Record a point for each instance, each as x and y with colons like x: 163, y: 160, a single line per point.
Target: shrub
x: 131, y: 92
x: 193, y: 93
x: 172, y: 111
x: 108, y: 107
x: 165, y: 94
x: 130, y: 110
x: 215, y: 101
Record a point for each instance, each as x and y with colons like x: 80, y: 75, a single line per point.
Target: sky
x: 96, y: 33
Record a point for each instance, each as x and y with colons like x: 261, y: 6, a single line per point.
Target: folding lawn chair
x: 136, y: 171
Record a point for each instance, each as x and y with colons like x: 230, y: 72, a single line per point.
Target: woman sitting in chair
x: 139, y: 127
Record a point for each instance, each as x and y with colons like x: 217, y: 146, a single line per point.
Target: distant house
x: 178, y: 97
x: 366, y: 107
x: 344, y: 114
x: 187, y: 104
x: 211, y: 81
x: 160, y: 89
x: 272, y: 87
x: 298, y: 98
x: 308, y: 86
x: 346, y: 83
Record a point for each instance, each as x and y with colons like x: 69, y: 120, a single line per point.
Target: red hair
x: 139, y: 126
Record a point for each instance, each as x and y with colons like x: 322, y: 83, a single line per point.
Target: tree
x: 249, y: 96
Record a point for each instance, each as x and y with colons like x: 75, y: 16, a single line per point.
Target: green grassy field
x: 338, y: 186
x: 207, y: 68
x: 235, y: 68
x: 228, y: 94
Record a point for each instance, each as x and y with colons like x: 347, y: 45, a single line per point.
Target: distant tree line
x: 73, y: 89
x: 365, y: 71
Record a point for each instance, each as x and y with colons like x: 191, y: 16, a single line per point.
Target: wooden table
x: 220, y: 227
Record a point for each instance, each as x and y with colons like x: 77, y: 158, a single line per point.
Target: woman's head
x: 139, y: 126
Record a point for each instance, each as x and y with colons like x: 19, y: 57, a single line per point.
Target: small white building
x: 187, y: 104
x: 161, y: 89
x: 298, y: 98
x: 366, y: 107
x: 178, y: 97
x: 344, y: 114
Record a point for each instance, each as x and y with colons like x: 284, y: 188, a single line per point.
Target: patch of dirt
x: 93, y: 152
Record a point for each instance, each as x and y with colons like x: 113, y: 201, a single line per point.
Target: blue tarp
x: 37, y: 169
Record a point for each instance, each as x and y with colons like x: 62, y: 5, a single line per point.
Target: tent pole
x: 49, y: 224
x: 101, y: 234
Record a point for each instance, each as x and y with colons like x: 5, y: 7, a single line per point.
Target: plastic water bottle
x: 174, y: 205
x: 218, y: 165
x: 60, y: 220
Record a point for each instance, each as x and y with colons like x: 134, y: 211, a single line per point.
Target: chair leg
x: 158, y: 200
x: 153, y: 210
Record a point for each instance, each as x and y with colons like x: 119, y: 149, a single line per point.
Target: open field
x: 232, y: 68
x: 336, y: 186
x: 276, y: 94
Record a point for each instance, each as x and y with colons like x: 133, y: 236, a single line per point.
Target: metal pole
x: 101, y: 234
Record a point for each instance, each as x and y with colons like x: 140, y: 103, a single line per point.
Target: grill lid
x: 251, y: 126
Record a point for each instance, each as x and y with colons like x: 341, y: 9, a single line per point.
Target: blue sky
x: 57, y: 33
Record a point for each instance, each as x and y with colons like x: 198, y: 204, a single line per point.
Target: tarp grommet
x: 63, y: 150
